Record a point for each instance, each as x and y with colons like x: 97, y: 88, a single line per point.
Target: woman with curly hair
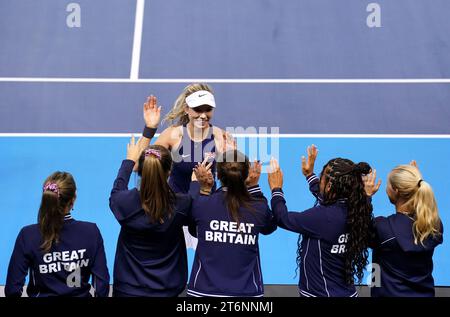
x: 333, y: 247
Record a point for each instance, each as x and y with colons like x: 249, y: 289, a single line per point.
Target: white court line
x: 237, y: 135
x: 136, y: 55
x: 134, y: 79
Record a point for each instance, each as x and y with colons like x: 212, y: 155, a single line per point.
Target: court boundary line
x: 238, y: 135
x: 137, y: 40
x: 230, y: 80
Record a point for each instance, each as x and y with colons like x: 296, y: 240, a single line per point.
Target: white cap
x: 200, y: 98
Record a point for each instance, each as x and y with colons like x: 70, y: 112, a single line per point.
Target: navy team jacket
x: 227, y: 261
x: 151, y: 258
x: 63, y: 271
x: 405, y: 267
x: 324, y: 238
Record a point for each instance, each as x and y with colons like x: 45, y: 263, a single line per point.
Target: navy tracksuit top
x: 187, y: 156
x: 227, y: 261
x: 324, y: 238
x: 405, y: 267
x: 150, y: 257
x: 63, y: 271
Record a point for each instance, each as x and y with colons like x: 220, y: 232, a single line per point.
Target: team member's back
x: 334, y: 234
x: 61, y: 253
x: 228, y: 223
x: 151, y: 255
x: 404, y: 242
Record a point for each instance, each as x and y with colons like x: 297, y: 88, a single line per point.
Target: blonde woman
x: 191, y: 138
x: 404, y: 242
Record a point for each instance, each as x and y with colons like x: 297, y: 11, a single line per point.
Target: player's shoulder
x: 86, y: 224
x: 173, y: 130
x: 170, y: 136
x: 218, y: 131
x: 88, y: 230
x: 29, y: 230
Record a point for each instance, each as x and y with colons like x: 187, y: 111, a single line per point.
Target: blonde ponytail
x: 427, y: 217
x: 419, y: 199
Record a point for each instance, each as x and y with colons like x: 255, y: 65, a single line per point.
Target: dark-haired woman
x: 61, y: 253
x: 151, y: 257
x: 334, y: 233
x: 228, y: 223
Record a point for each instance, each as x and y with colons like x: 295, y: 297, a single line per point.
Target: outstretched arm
x: 301, y: 222
x: 120, y: 185
x: 134, y: 150
x: 152, y: 115
x: 308, y: 170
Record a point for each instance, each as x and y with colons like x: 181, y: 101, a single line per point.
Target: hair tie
x: 153, y: 152
x: 52, y: 187
x: 418, y: 184
x: 357, y: 169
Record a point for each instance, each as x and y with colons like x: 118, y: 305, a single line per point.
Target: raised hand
x: 229, y: 143
x: 152, y: 113
x: 308, y: 165
x: 202, y: 173
x: 275, y: 175
x: 370, y: 185
x: 134, y: 149
x: 254, y: 174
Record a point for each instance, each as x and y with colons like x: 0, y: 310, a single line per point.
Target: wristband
x: 149, y: 132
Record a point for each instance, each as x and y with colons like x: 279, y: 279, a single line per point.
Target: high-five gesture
x: 308, y: 165
x: 152, y: 113
x: 229, y: 142
x: 370, y: 185
x: 254, y: 173
x: 202, y: 173
x: 134, y: 149
x: 275, y: 176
